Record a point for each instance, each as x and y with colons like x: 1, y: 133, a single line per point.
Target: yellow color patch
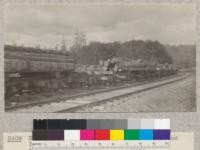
x: 116, y: 134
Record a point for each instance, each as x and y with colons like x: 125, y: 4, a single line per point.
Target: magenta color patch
x: 87, y: 134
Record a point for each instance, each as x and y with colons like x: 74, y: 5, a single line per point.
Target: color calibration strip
x: 22, y: 141
x: 101, y: 124
x: 101, y: 134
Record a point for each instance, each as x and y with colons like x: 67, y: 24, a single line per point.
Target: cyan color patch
x: 146, y: 134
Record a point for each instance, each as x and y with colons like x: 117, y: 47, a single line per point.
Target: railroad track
x: 118, y: 97
x: 78, y: 101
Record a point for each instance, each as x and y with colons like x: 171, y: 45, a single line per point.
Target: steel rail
x: 71, y: 110
x: 40, y: 103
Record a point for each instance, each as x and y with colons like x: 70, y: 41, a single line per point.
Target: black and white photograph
x: 98, y: 58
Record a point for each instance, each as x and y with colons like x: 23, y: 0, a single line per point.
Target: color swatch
x: 102, y: 134
x: 105, y: 134
x: 131, y: 134
x: 87, y: 135
x: 146, y: 135
x: 116, y: 134
x: 72, y: 135
x: 102, y: 129
x: 101, y: 124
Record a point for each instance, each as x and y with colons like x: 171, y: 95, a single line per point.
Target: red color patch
x: 102, y: 134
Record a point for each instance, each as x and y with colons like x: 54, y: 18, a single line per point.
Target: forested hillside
x: 184, y: 56
x: 150, y: 51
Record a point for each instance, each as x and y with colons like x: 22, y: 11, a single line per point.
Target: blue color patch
x: 146, y: 134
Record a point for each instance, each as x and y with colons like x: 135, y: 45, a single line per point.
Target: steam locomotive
x: 35, y: 70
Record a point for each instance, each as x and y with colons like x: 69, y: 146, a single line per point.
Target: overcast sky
x: 47, y: 24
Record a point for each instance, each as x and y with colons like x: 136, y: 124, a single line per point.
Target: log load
x: 27, y: 60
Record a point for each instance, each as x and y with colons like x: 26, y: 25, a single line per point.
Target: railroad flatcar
x: 30, y: 69
x: 140, y: 71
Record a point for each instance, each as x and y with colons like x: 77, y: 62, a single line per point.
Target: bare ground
x: 176, y: 97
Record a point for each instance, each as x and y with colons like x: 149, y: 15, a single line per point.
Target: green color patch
x: 131, y: 134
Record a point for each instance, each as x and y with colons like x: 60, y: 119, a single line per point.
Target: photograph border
x: 180, y: 121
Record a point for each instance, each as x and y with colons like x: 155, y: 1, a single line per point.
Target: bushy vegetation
x: 184, y: 56
x: 150, y: 51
